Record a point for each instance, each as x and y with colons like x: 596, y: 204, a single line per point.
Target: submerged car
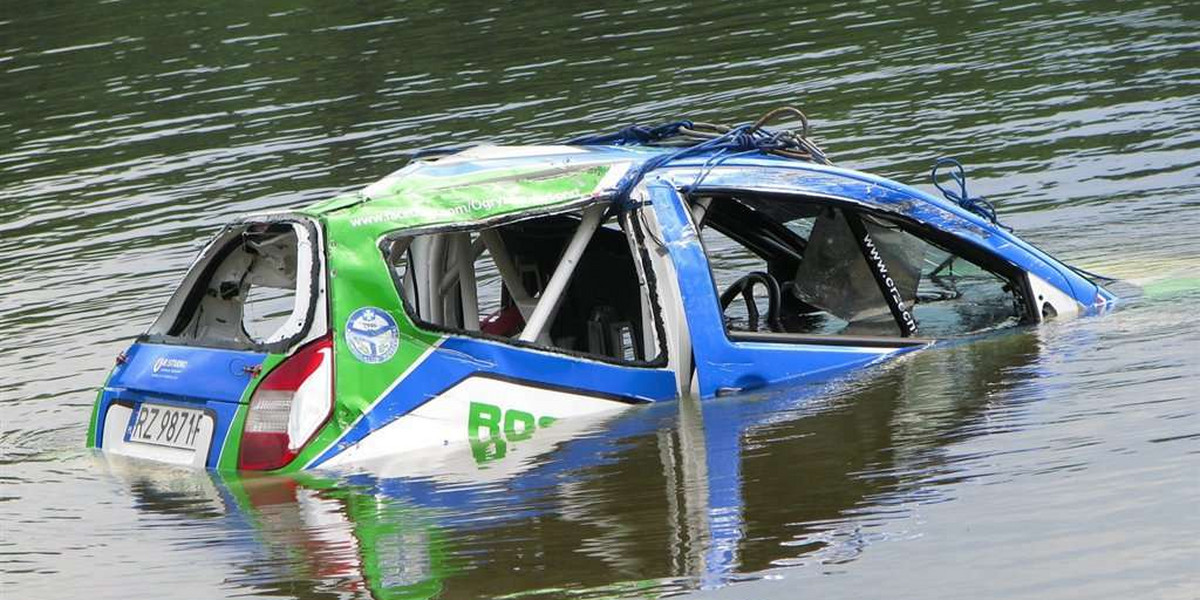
x: 478, y: 296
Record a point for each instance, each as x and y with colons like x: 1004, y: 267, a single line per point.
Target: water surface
x: 1054, y: 462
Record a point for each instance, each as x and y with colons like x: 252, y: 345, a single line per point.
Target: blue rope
x: 961, y: 197
x: 634, y: 135
x: 985, y: 209
x: 1090, y: 275
x: 739, y: 141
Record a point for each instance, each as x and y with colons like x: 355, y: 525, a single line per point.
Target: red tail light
x: 288, y: 408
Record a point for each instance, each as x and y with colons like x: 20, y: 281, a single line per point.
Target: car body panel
x: 161, y: 374
x: 722, y: 364
x: 430, y: 387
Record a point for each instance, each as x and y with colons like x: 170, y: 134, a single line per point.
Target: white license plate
x: 165, y: 425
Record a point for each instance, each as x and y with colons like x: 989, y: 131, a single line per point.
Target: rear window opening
x: 253, y: 288
x: 826, y: 279
x: 572, y: 282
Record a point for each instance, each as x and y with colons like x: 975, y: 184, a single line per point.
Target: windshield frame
x: 980, y: 256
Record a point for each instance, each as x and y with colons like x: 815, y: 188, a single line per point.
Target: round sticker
x: 372, y: 335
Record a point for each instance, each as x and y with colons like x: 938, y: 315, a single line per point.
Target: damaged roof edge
x: 488, y: 184
x: 468, y: 193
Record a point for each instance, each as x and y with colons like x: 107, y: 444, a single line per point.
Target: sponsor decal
x: 468, y: 208
x: 910, y: 324
x: 168, y: 367
x: 490, y: 429
x: 431, y: 202
x: 372, y: 335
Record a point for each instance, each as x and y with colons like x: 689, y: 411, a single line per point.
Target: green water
x: 1057, y: 462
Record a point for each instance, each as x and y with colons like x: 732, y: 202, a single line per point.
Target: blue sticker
x: 372, y: 335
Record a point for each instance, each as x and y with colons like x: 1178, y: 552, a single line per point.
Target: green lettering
x: 491, y: 445
x: 515, y: 418
x: 490, y: 429
x: 483, y: 416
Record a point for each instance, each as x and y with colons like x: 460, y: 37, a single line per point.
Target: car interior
x: 490, y: 282
x: 244, y: 291
x: 789, y: 265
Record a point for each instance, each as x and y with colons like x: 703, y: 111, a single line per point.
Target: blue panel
x: 207, y: 378
x: 460, y: 357
x: 720, y: 363
x: 186, y: 372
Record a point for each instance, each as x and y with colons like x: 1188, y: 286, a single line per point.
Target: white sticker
x: 372, y: 335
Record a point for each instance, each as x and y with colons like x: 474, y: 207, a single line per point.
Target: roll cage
x: 572, y: 281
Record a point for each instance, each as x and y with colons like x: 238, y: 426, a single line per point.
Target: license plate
x: 165, y: 425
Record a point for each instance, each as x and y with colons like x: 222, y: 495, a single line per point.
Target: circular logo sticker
x: 372, y: 335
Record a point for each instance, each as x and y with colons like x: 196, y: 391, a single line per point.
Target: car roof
x: 483, y: 183
x: 491, y: 184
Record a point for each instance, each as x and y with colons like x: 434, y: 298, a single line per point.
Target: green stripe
x: 94, y: 422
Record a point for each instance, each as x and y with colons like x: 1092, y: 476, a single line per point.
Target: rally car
x: 480, y: 295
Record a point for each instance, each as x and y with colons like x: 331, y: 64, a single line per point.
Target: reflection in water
x: 679, y: 496
x: 340, y: 539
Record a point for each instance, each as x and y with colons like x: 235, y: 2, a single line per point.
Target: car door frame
x: 724, y: 365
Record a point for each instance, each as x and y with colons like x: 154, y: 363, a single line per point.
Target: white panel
x: 444, y: 420
x: 114, y: 441
x: 457, y: 463
x: 1065, y: 307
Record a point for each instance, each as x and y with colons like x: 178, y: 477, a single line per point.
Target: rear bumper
x: 116, y: 407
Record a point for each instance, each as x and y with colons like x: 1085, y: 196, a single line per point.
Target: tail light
x: 288, y: 408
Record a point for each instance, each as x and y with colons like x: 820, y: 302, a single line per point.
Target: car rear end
x: 237, y: 371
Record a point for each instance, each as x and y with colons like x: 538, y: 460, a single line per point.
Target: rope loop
x: 722, y: 142
x: 961, y: 197
x: 789, y: 110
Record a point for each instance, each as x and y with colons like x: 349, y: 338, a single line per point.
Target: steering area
x: 744, y: 287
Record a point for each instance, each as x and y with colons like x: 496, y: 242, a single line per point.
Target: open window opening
x: 809, y: 268
x: 573, y: 282
x: 253, y: 288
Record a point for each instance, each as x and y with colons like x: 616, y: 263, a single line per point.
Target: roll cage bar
x: 453, y: 244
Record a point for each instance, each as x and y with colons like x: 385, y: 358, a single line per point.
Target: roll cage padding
x: 877, y: 265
